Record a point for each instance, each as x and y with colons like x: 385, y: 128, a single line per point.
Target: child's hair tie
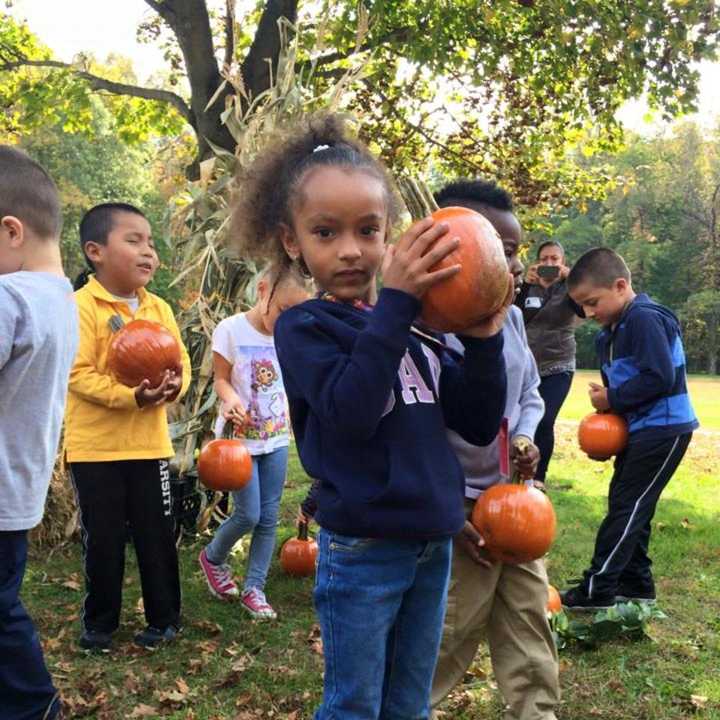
x: 321, y: 147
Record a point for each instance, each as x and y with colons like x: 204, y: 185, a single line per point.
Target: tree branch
x: 116, y: 88
x: 400, y: 34
x: 163, y: 9
x: 266, y: 45
x: 229, y: 33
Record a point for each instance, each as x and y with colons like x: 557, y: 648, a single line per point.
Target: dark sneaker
x: 95, y: 641
x: 152, y: 638
x: 576, y: 599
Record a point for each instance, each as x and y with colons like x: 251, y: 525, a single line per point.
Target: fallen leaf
x: 698, y: 701
x: 195, y: 666
x: 142, y: 710
x: 211, y: 628
x: 182, y: 686
x: 170, y: 697
x: 132, y: 682
x: 314, y: 639
x: 71, y: 585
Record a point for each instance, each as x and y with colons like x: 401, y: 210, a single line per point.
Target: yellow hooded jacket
x: 103, y: 421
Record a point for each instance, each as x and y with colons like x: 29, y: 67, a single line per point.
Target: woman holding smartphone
x: 550, y: 320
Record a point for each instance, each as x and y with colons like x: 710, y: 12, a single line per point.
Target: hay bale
x: 60, y: 521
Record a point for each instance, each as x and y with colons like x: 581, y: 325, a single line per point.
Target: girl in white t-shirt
x: 248, y: 382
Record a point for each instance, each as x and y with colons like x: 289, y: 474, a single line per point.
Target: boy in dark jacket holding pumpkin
x: 38, y: 339
x: 643, y: 371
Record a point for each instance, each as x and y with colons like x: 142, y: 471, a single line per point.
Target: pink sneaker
x: 219, y: 578
x: 253, y: 600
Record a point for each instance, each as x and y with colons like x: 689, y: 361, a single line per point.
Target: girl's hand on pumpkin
x: 599, y: 397
x: 493, y: 325
x: 472, y: 543
x: 146, y: 396
x: 407, y: 266
x: 302, y: 518
x: 234, y: 412
x: 525, y: 457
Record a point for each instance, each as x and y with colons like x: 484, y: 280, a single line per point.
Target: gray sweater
x: 524, y: 407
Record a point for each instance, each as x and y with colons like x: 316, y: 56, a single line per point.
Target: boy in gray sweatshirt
x: 505, y: 604
x: 38, y: 340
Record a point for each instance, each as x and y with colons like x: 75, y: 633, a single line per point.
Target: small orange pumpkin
x: 554, y: 603
x: 602, y: 435
x: 299, y: 555
x: 225, y: 464
x: 481, y: 286
x: 142, y: 349
x: 517, y: 522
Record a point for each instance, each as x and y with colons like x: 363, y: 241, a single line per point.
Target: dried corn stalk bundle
x: 224, y: 283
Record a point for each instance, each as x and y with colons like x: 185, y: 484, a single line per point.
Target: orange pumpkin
x: 298, y: 555
x: 516, y: 521
x: 602, y: 435
x: 225, y: 464
x: 481, y: 286
x: 143, y: 349
x: 554, y: 603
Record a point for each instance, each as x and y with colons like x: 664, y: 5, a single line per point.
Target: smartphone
x: 548, y: 272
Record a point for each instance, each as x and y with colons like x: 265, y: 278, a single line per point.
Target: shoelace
x: 222, y: 575
x: 258, y: 596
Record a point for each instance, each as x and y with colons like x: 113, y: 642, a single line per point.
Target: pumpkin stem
x: 417, y: 197
x: 228, y: 430
x: 116, y: 323
x: 302, y: 530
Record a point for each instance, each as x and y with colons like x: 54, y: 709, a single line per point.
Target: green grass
x: 226, y: 666
x: 704, y: 393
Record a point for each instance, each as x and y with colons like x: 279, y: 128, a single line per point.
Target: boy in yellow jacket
x: 116, y: 438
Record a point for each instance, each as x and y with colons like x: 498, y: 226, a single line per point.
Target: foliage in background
x: 499, y: 87
x: 664, y: 218
x: 105, y: 169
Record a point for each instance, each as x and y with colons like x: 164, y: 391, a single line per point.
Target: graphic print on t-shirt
x: 266, y: 416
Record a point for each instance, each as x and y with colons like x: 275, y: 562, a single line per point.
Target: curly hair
x: 268, y: 188
x: 483, y: 192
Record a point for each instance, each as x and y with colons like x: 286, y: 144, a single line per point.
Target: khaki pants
x: 504, y: 604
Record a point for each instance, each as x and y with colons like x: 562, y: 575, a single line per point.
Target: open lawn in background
x: 704, y: 392
x: 227, y: 666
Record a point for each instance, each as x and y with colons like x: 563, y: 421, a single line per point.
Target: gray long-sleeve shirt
x: 38, y: 340
x: 524, y: 407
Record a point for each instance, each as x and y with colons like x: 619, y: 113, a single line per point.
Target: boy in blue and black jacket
x: 643, y: 371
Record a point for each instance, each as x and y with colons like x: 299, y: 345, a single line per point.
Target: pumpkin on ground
x: 517, y: 522
x: 554, y: 603
x: 225, y: 464
x: 602, y: 435
x: 299, y: 555
x: 142, y: 349
x: 480, y: 287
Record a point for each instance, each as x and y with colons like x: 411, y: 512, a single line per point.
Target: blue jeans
x: 26, y: 690
x: 381, y: 605
x: 255, y: 508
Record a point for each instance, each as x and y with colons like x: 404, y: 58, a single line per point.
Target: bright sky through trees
x: 109, y: 27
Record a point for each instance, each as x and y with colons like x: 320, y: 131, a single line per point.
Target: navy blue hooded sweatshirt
x: 370, y: 404
x: 643, y: 367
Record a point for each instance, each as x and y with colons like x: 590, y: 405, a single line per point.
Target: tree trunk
x: 190, y: 22
x: 712, y: 344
